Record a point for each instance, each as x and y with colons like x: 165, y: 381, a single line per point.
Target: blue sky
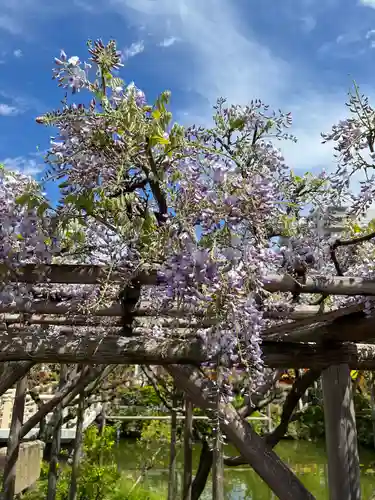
x: 297, y: 55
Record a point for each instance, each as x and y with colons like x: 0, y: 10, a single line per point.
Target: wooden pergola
x: 334, y: 341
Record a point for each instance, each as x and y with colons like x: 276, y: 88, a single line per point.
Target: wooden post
x: 188, y: 450
x: 269, y: 417
x: 77, y: 447
x: 56, y: 441
x: 9, y: 479
x: 102, y: 427
x: 341, y: 434
x: 218, y: 458
x: 372, y: 393
x: 172, y: 452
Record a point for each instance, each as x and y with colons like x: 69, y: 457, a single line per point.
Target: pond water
x: 308, y: 461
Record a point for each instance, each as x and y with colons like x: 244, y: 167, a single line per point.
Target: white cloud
x: 370, y: 35
x: 348, y: 38
x: 17, y: 53
x: 368, y: 3
x: 167, y: 42
x: 10, y: 24
x: 308, y: 24
x: 312, y: 115
x: 26, y: 165
x: 226, y: 59
x: 6, y: 110
x: 24, y: 17
x: 23, y: 103
x: 134, y: 49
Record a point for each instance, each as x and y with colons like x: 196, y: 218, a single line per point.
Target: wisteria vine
x: 215, y: 209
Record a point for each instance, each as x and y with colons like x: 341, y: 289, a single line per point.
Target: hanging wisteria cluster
x: 214, y: 209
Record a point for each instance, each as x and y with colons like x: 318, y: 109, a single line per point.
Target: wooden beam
x: 354, y: 327
x: 89, y: 348
x: 146, y: 309
x: 307, y: 320
x: 91, y: 275
x: 341, y: 434
x: 40, y: 312
x: 334, y: 285
x: 80, y: 320
x: 72, y: 274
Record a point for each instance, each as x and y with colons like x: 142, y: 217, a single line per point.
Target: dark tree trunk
x: 188, y: 450
x: 9, y: 479
x: 56, y: 441
x: 77, y: 447
x: 203, y: 471
x: 172, y: 453
x: 218, y: 463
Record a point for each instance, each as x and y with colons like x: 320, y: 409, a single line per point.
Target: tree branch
x: 344, y: 243
x: 253, y: 401
x: 155, y: 185
x: 299, y: 388
x: 13, y: 373
x: 154, y: 382
x: 72, y: 388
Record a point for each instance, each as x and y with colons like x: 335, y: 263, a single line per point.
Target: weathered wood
x: 372, y: 396
x: 345, y: 324
x: 264, y: 461
x: 188, y: 450
x: 311, y: 320
x: 77, y: 447
x: 14, y: 372
x: 355, y: 327
x: 89, y: 348
x: 341, y: 434
x: 218, y: 451
x: 14, y: 440
x: 115, y: 350
x: 71, y: 274
x: 173, y: 450
x: 218, y: 471
x: 56, y: 440
x: 42, y: 309
x: 103, y: 423
x: 76, y: 320
x: 91, y: 275
x: 333, y: 285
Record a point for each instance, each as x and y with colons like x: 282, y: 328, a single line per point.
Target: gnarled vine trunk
x: 252, y: 447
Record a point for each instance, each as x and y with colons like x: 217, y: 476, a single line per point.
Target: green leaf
x: 23, y: 199
x: 156, y: 114
x: 42, y: 208
x: 159, y: 139
x: 237, y: 124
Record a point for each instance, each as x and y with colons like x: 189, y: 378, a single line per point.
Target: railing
x: 68, y: 430
x: 125, y: 418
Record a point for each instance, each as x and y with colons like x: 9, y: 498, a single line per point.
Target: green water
x: 308, y: 461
